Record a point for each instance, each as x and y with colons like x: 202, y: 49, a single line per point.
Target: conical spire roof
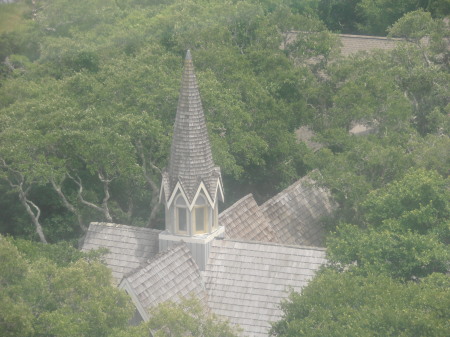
x: 191, y: 161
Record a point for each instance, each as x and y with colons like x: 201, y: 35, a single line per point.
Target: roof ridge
x: 236, y: 203
x: 291, y: 187
x: 265, y: 243
x: 371, y: 37
x: 130, y: 227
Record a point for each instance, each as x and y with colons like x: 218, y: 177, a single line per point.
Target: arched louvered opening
x: 181, y: 216
x: 200, y: 216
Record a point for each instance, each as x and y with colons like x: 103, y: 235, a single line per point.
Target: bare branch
x: 154, y: 202
x: 145, y: 164
x: 23, y: 197
x: 66, y: 203
x: 77, y: 180
x: 106, y: 197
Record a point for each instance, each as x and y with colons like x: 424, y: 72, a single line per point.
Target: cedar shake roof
x: 292, y: 217
x: 191, y: 159
x: 306, y: 135
x: 351, y: 44
x: 246, y: 281
x: 245, y: 221
x: 296, y: 213
x: 129, y: 247
x: 169, y: 276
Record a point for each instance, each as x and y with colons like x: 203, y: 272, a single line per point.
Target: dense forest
x: 88, y: 95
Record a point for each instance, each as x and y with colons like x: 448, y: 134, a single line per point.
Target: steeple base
x: 198, y: 245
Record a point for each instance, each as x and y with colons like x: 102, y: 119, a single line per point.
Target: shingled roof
x: 247, y: 280
x: 293, y: 216
x: 245, y: 221
x: 296, y: 213
x: 191, y: 161
x: 128, y: 247
x: 352, y: 44
x: 306, y: 134
x: 169, y: 276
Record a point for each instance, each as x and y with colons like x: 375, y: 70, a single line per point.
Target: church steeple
x: 192, y: 184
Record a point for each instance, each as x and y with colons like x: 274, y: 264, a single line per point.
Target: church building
x: 240, y: 263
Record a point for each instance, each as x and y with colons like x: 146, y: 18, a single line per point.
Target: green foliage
x: 66, y: 295
x: 12, y: 267
x: 89, y: 121
x: 380, y: 14
x: 339, y: 15
x: 187, y: 318
x: 341, y: 304
x: 62, y: 253
x: 401, y: 254
x: 88, y: 94
x: 373, y: 17
x: 64, y: 18
x: 418, y: 194
x: 404, y: 106
x: 93, y: 107
x: 13, y: 15
x: 406, y: 230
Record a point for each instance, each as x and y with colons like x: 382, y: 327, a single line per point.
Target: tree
x: 373, y: 17
x: 408, y: 200
x: 427, y: 52
x: 406, y: 230
x: 342, y: 304
x: 90, y: 115
x: 187, y: 318
x: 339, y: 15
x: 66, y: 295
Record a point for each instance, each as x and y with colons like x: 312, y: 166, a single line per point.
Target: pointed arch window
x: 181, y: 215
x: 200, y: 219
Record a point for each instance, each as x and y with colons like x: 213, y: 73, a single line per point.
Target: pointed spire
x: 191, y: 159
x: 188, y: 55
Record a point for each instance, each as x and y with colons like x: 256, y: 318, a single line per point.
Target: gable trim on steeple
x: 178, y: 189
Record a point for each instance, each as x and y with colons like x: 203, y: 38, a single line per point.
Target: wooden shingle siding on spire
x: 191, y: 159
x: 128, y: 247
x: 246, y: 281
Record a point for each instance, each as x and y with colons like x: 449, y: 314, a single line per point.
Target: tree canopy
x: 88, y: 98
x: 56, y: 290
x: 88, y: 95
x: 341, y: 304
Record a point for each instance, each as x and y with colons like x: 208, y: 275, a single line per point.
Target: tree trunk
x: 67, y: 204
x: 104, y: 208
x: 34, y: 217
x: 154, y: 202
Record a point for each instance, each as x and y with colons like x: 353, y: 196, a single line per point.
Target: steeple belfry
x: 192, y: 184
